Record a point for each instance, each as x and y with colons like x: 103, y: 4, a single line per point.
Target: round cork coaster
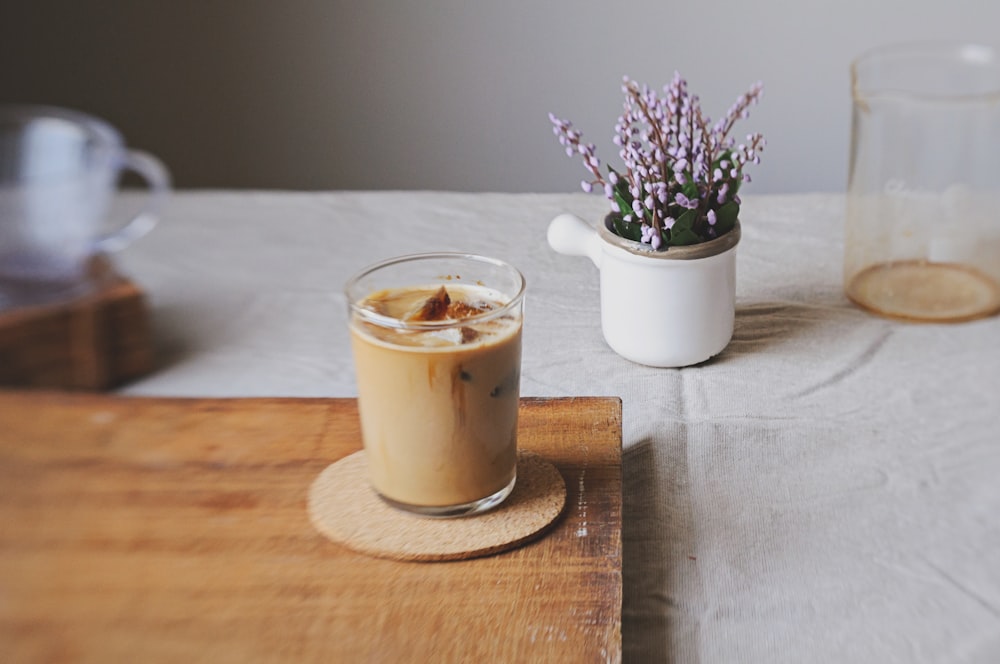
x: 344, y: 508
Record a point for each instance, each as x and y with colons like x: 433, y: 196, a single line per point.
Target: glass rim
x: 388, y: 321
x: 24, y: 114
x: 966, y: 54
x: 17, y: 117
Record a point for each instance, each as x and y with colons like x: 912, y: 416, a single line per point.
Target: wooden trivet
x: 347, y: 510
x: 94, y: 342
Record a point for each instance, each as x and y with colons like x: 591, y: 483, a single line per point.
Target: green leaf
x: 624, y: 204
x: 622, y: 195
x: 682, y: 233
x: 618, y: 226
x: 685, y: 221
x: 683, y: 238
x: 725, y: 155
x: 625, y: 229
x: 725, y: 217
x: 633, y: 231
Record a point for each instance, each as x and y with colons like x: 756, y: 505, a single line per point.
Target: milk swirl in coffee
x: 434, y: 355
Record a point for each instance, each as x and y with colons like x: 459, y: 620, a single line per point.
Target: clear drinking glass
x: 437, y: 354
x: 59, y: 171
x: 923, y: 208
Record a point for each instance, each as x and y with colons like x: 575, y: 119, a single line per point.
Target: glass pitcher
x: 922, y: 236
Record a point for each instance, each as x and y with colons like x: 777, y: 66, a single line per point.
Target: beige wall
x: 446, y: 94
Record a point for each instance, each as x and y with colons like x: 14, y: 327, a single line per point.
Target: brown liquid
x: 438, y: 409
x: 920, y: 291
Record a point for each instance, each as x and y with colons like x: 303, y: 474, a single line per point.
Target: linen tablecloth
x: 825, y: 490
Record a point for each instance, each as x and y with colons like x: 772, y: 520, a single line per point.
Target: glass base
x: 22, y: 294
x: 920, y: 291
x: 448, y: 511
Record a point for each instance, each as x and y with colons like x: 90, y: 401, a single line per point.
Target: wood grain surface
x: 95, y: 342
x: 175, y: 530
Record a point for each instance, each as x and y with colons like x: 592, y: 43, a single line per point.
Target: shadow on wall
x: 221, y: 91
x: 327, y: 94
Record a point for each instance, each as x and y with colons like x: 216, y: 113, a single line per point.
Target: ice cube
x: 434, y: 308
x: 451, y: 336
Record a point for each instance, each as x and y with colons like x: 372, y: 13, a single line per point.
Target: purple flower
x: 723, y: 190
x: 667, y: 143
x: 684, y: 201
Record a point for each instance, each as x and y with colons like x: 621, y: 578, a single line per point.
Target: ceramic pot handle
x: 569, y: 234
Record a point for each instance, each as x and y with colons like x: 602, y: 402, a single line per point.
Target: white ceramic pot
x: 669, y: 308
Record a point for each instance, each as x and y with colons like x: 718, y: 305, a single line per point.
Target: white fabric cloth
x: 826, y: 490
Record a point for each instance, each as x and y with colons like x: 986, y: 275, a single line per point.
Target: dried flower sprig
x: 681, y: 173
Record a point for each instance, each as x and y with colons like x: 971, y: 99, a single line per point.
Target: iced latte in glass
x: 437, y: 354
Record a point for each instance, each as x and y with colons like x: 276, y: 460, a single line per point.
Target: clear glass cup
x: 438, y: 384
x: 923, y: 207
x: 59, y: 170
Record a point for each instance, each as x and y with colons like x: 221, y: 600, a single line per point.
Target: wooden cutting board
x: 175, y: 530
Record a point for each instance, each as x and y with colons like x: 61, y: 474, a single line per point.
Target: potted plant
x: 667, y: 249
